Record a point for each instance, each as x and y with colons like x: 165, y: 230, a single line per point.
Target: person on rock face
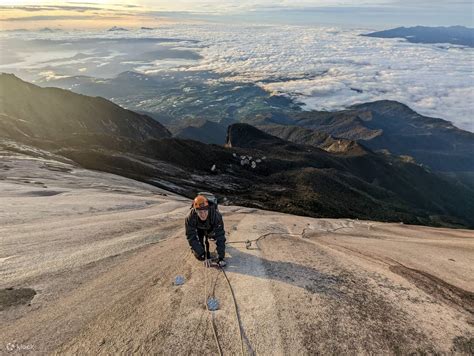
x: 205, y: 222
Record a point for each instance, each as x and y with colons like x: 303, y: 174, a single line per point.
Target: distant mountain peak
x: 116, y: 28
x: 248, y: 136
x: 458, y: 35
x: 50, y: 30
x: 385, y: 105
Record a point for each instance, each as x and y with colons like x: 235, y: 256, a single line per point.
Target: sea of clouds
x: 325, y: 68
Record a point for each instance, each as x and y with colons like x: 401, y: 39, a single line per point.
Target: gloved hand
x: 207, y: 262
x: 211, y: 235
x: 200, y: 257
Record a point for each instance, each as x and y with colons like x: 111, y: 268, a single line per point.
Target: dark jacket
x: 212, y: 227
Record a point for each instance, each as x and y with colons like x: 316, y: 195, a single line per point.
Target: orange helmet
x: 201, y: 203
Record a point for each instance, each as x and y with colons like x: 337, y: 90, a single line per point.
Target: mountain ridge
x: 255, y: 169
x: 391, y: 126
x: 72, y: 113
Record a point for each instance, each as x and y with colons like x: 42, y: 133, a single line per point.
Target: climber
x: 204, y: 222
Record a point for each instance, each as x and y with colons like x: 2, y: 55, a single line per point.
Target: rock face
x: 89, y: 260
x: 254, y: 168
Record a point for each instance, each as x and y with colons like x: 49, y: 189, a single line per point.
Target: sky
x: 31, y: 14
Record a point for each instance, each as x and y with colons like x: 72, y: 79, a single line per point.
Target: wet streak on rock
x: 464, y: 345
x: 437, y: 288
x: 10, y: 297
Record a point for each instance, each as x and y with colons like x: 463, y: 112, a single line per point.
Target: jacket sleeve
x: 191, y: 235
x: 218, y: 226
x: 219, y: 234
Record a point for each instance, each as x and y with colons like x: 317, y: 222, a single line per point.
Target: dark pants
x: 204, y: 241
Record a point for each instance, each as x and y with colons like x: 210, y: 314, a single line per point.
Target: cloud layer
x: 326, y: 68
x: 336, y: 68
